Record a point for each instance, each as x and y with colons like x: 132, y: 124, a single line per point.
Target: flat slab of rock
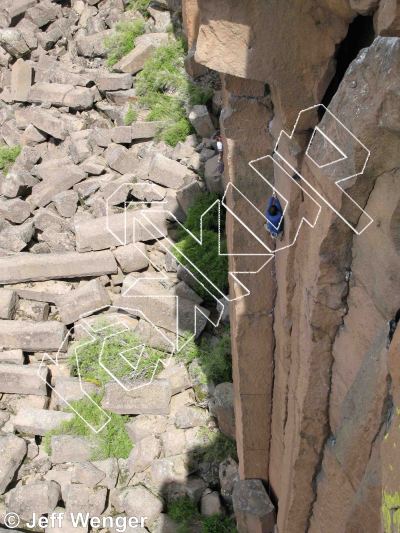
x: 69, y: 449
x: 12, y: 452
x: 169, y: 173
x: 45, y: 191
x: 145, y: 130
x: 144, y: 47
x: 23, y: 379
x: 132, y: 257
x: 59, y: 94
x: 31, y: 421
x: 41, y: 267
x: 117, y: 230
x: 67, y: 389
x: 108, y: 81
x: 32, y: 336
x: 39, y: 497
x: 21, y: 80
x: 152, y: 399
x: 15, y: 357
x: 84, y: 301
x: 8, y: 303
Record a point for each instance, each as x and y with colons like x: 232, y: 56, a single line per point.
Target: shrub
x: 220, y: 446
x: 123, y: 40
x: 139, y: 5
x: 182, y: 510
x: 130, y: 116
x: 218, y: 524
x: 211, y: 257
x: 214, y: 358
x: 8, y: 154
x: 112, y: 441
x: 166, y: 91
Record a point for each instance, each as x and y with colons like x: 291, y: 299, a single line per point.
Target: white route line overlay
x: 158, y: 275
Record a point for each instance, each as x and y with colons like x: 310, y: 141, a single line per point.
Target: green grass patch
x: 139, y: 5
x: 130, y: 116
x: 83, y: 359
x: 218, y: 524
x: 112, y: 441
x: 208, y: 258
x: 213, y: 357
x: 123, y: 40
x: 219, y: 446
x: 8, y: 155
x: 165, y: 89
x: 185, y: 513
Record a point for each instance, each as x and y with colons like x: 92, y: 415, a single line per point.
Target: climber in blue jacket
x: 274, y: 216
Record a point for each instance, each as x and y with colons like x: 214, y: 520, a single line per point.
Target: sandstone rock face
x: 317, y: 318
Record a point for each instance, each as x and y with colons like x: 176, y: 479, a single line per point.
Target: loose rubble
x: 81, y: 227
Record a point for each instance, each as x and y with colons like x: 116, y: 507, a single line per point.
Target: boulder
x: 12, y: 41
x: 152, y: 399
x: 109, y: 81
x: 43, y: 12
x: 111, y: 471
x: 174, y: 469
x: 15, y: 357
x: 169, y: 173
x: 39, y: 497
x: 50, y: 123
x: 211, y: 503
x: 23, y: 379
x: 177, y: 376
x: 66, y: 202
x: 144, y: 48
x: 83, y: 301
x: 12, y: 451
x: 83, y: 499
x: 143, y: 454
x: 118, y: 157
x: 30, y: 267
x: 253, y: 508
x: 15, y: 211
x: 87, y: 474
x: 145, y: 130
x: 150, y: 192
x: 188, y: 195
x: 93, y: 45
x: 60, y: 95
x: 201, y: 121
x: 119, y: 229
x: 190, y: 416
x: 135, y: 499
x: 143, y: 426
x: 221, y: 406
x: 228, y: 477
x: 132, y: 257
x: 32, y: 336
x: 33, y: 421
x: 387, y: 18
x: 8, y: 304
x: 45, y: 191
x: 21, y: 80
x: 67, y: 389
x: 173, y: 442
x: 69, y: 449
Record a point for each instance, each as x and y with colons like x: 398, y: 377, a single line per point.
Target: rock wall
x: 314, y: 369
